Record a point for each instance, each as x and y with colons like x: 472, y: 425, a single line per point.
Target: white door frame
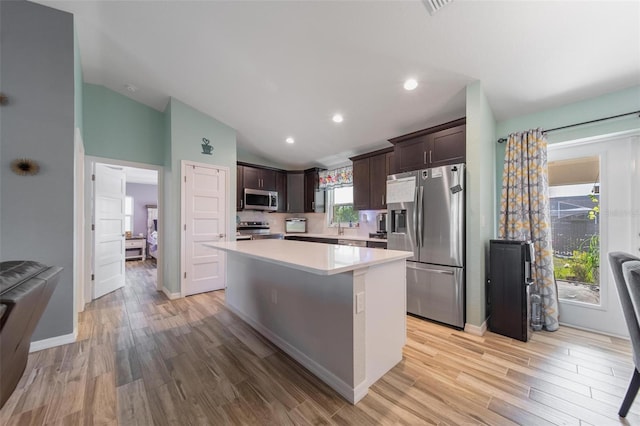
x: 183, y: 174
x: 88, y: 201
x: 79, y: 221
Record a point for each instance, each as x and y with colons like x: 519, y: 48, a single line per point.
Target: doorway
x: 138, y: 245
x: 592, y: 184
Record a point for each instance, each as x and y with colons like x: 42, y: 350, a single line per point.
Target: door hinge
x: 185, y: 226
x: 93, y: 227
x: 185, y: 275
x: 185, y: 178
x: 93, y: 177
x: 93, y: 277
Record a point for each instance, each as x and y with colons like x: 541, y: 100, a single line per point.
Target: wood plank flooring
x: 141, y: 359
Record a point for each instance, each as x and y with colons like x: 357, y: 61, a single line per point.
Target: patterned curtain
x: 524, y: 211
x: 337, y: 178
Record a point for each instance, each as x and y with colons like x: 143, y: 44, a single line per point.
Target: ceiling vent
x: 435, y: 5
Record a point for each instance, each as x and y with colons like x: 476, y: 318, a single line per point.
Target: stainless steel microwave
x: 256, y: 199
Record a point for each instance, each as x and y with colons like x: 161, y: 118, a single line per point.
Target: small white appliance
x: 295, y: 225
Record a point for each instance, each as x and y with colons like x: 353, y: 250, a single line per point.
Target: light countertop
x: 320, y: 259
x: 334, y: 236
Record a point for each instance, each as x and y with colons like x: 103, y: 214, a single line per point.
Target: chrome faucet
x: 340, y: 229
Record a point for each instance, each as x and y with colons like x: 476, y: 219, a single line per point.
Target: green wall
x: 120, y: 128
x: 480, y: 200
x: 186, y: 128
x: 615, y: 103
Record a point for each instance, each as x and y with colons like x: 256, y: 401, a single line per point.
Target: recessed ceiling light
x: 410, y: 84
x: 290, y: 140
x: 337, y: 118
x: 131, y: 88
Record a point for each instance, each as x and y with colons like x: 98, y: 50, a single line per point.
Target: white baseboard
x: 475, y: 330
x: 53, y: 342
x: 171, y: 296
x: 619, y: 336
x: 353, y: 395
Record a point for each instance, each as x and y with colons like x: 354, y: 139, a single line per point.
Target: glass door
x: 593, y: 188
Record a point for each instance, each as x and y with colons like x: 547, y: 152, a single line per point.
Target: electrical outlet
x: 274, y: 296
x: 360, y: 302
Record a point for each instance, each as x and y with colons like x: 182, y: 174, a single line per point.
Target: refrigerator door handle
x: 437, y: 271
x: 420, y: 208
x: 415, y: 217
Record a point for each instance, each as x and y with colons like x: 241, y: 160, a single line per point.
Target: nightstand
x: 135, y: 248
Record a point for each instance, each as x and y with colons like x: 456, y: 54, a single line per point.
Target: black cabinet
x: 312, y: 239
x: 508, y: 295
x: 433, y: 147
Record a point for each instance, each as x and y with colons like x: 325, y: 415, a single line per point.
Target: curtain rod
x: 502, y: 140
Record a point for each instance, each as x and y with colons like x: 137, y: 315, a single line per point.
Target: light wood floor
x: 142, y: 359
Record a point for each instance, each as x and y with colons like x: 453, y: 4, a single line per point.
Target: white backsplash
x: 316, y: 222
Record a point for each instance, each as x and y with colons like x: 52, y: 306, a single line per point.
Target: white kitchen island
x: 338, y: 310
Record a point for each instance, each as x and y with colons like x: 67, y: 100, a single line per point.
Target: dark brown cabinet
x: 256, y: 177
x: 295, y: 192
x: 240, y: 188
x: 370, y: 179
x: 281, y: 187
x: 259, y: 178
x: 313, y: 197
x: 433, y: 147
x: 361, y: 184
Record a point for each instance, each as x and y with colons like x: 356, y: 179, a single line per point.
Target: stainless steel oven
x: 256, y: 199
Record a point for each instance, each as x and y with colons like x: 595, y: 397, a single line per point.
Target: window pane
x: 127, y: 224
x: 128, y: 205
x: 343, y: 195
x: 575, y: 227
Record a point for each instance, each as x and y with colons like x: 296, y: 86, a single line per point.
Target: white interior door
x: 204, y: 221
x: 109, y: 194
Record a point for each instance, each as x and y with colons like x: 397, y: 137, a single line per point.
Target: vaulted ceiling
x: 278, y: 69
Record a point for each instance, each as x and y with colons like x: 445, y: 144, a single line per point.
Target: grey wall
x: 142, y: 194
x: 37, y: 73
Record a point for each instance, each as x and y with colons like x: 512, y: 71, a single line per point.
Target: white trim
x: 353, y: 395
x: 79, y: 229
x: 604, y: 333
x: 89, y: 162
x: 183, y: 173
x: 171, y: 296
x: 475, y: 330
x: 52, y: 342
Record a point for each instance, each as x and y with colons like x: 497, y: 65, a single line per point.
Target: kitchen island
x: 337, y: 310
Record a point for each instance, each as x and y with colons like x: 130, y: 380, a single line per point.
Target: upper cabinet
x: 433, y: 147
x: 314, y: 199
x: 370, y: 173
x: 295, y: 192
x: 267, y: 179
x: 259, y: 178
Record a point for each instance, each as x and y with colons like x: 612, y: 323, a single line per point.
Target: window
x: 340, y: 206
x: 128, y: 214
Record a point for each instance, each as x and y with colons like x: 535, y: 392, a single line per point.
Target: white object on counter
x: 339, y: 311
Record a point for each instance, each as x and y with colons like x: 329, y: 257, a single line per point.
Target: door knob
x: 222, y: 235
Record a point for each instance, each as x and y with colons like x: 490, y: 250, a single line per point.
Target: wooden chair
x: 617, y: 260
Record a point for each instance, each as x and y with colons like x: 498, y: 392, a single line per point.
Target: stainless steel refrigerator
x: 426, y: 215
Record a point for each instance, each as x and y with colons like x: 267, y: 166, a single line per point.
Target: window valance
x: 336, y: 178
